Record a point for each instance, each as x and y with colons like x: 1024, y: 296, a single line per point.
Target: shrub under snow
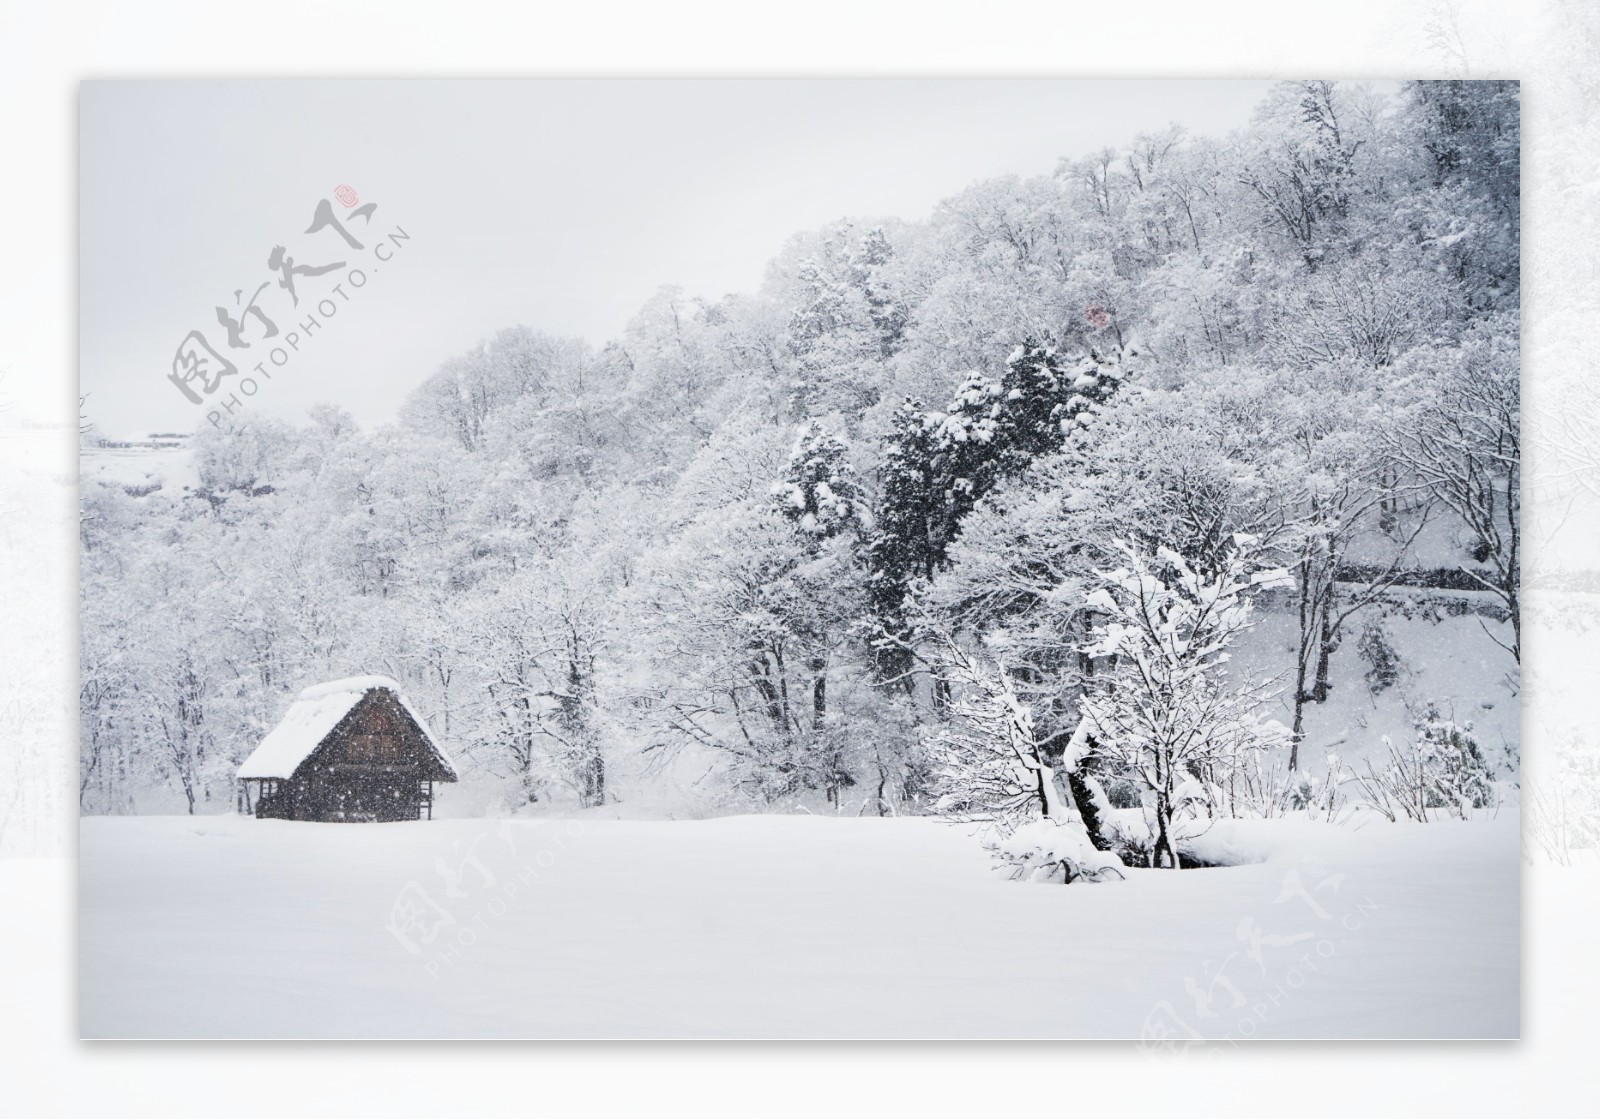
x: 1044, y: 851
x: 1441, y: 768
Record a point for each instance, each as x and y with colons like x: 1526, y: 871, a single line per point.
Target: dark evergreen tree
x: 940, y: 465
x: 902, y: 547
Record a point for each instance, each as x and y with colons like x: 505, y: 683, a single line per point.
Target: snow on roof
x: 313, y: 716
x: 361, y: 685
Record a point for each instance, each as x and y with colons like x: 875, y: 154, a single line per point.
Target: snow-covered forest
x: 1180, y: 484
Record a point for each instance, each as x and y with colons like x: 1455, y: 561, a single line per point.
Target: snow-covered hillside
x: 786, y: 927
x: 1446, y: 656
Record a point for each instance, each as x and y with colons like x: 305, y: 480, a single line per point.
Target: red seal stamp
x: 1096, y: 316
x: 346, y: 194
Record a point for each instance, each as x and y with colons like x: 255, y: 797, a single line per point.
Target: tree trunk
x: 1302, y: 656
x: 819, y: 693
x: 769, y: 693
x: 1326, y: 644
x: 1088, y: 809
x: 1327, y: 638
x: 1047, y: 803
x: 596, y: 777
x: 1162, y: 851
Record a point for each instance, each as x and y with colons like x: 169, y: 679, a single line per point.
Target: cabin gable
x: 377, y: 735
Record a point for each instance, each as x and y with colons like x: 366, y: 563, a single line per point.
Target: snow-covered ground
x: 784, y: 926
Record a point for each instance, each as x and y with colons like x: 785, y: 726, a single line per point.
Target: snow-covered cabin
x: 349, y: 750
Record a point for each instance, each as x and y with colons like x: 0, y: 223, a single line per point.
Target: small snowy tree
x: 1166, y: 711
x: 1384, y: 663
x: 820, y: 492
x: 1441, y: 767
x: 1458, y: 777
x: 821, y: 497
x: 986, y: 760
x: 987, y: 765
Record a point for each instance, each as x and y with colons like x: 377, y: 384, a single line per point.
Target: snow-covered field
x: 784, y: 927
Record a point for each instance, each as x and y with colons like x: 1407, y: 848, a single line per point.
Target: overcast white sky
x: 558, y: 204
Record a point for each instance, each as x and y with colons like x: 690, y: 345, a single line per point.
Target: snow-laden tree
x: 1366, y: 311
x: 822, y: 498
x: 1461, y: 777
x: 533, y: 641
x: 517, y: 366
x: 820, y: 492
x: 1168, y: 711
x: 1188, y: 467
x: 1335, y: 482
x: 1303, y: 162
x: 846, y: 321
x: 749, y: 608
x: 986, y: 760
x: 940, y: 465
x: 988, y: 764
x: 729, y: 631
x: 1469, y: 136
x: 1462, y: 444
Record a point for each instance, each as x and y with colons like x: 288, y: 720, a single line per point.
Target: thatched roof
x: 314, y: 715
